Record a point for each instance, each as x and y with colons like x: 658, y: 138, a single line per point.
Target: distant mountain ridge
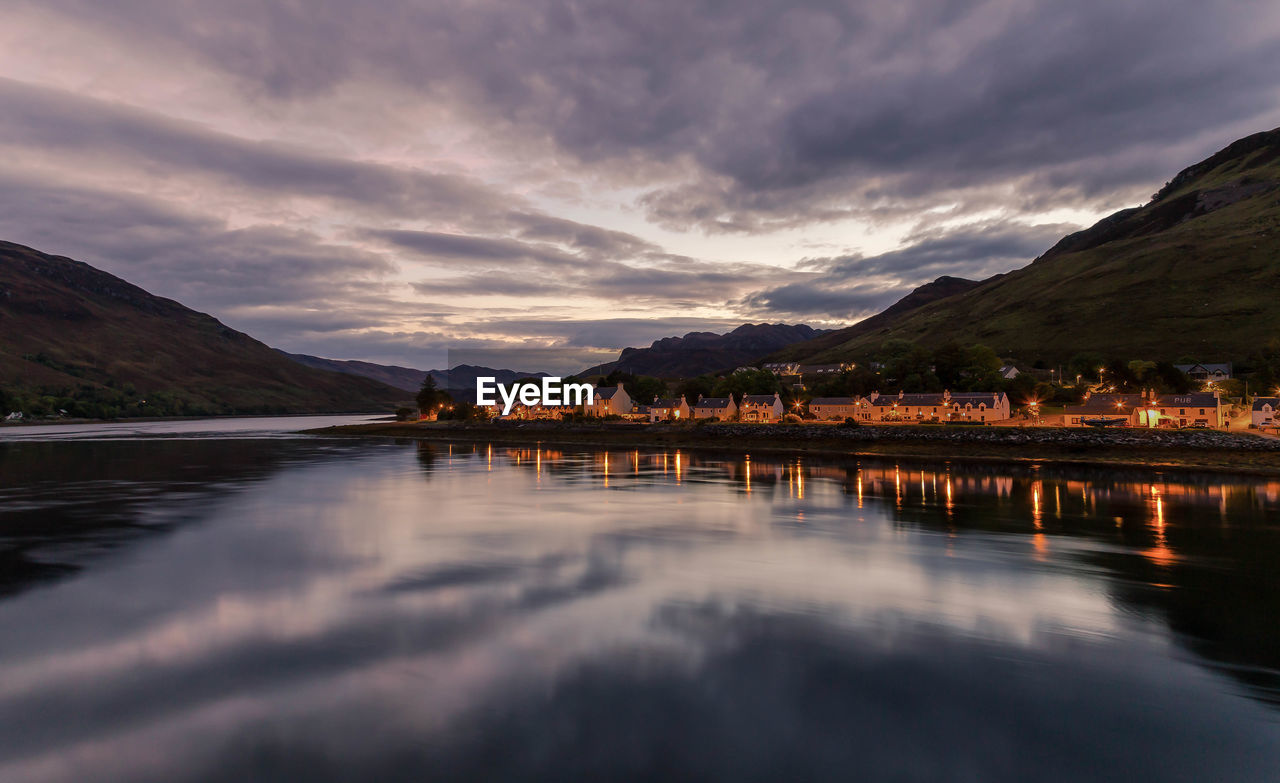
x: 1195, y: 271
x: 701, y: 352
x: 82, y: 337
x: 463, y: 377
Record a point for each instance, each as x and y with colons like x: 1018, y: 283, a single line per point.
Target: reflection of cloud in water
x: 348, y: 619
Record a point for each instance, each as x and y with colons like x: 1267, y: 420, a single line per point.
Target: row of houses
x: 1144, y: 409
x: 978, y: 407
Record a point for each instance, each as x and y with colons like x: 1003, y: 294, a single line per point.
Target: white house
x: 1206, y: 372
x: 610, y: 401
x: 1266, y: 412
x: 763, y: 408
x: 1009, y: 372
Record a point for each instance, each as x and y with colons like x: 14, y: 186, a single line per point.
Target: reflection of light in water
x: 859, y: 489
x: 538, y: 463
x: 922, y: 491
x: 489, y: 455
x: 950, y: 503
x: 1057, y: 501
x: 678, y: 470
x: 606, y: 468
x: 799, y: 481
x: 637, y: 458
x: 748, y: 474
x: 664, y: 463
x: 897, y: 486
x: 1035, y: 504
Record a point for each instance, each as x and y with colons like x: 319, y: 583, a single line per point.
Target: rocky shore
x: 1194, y: 449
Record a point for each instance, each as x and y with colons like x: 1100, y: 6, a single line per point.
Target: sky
x: 390, y: 180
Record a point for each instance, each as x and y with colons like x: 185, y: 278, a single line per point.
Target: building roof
x: 759, y: 399
x: 1192, y: 400
x: 808, y: 368
x: 1274, y: 402
x: 715, y: 402
x: 833, y: 401
x: 667, y: 402
x: 1107, y: 403
x: 607, y: 392
x: 990, y: 398
x: 1220, y: 367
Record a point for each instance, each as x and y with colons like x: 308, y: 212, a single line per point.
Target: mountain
x: 928, y: 293
x: 1196, y: 271
x: 701, y: 352
x: 461, y: 378
x: 403, y: 378
x: 98, y: 346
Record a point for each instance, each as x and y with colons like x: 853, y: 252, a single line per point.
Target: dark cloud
x: 787, y: 111
x: 854, y: 287
x: 339, y: 153
x: 63, y: 123
x: 460, y: 247
x: 198, y: 260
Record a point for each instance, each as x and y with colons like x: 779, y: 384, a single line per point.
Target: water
x: 248, y: 608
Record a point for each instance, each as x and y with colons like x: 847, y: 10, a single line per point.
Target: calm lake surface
x: 222, y: 602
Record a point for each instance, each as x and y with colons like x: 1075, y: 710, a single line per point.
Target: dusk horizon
x: 411, y: 179
x: 639, y: 392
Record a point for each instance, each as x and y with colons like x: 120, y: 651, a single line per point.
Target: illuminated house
x: 761, y: 407
x: 1266, y: 412
x: 610, y: 401
x: 839, y: 408
x: 1104, y: 409
x: 669, y: 409
x: 1148, y: 409
x: 980, y: 407
x: 722, y: 408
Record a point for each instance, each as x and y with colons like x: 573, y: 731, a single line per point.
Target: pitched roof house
x: 1206, y: 372
x: 666, y: 408
x: 610, y: 401
x: 983, y: 407
x: 723, y: 408
x: 1265, y: 412
x: 761, y: 407
x: 839, y: 408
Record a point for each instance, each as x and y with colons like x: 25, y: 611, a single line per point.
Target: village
x: 1204, y: 407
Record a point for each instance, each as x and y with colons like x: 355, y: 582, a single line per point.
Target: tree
x: 950, y: 362
x: 429, y: 397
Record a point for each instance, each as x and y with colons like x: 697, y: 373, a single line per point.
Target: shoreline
x: 1193, y: 451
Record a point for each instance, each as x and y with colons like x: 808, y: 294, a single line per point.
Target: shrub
x: 791, y: 418
x: 850, y: 422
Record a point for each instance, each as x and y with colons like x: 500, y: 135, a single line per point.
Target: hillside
x: 403, y: 378
x: 1196, y: 271
x: 701, y: 352
x: 102, y: 346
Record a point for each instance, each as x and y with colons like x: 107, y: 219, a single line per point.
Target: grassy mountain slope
x: 68, y: 330
x: 1194, y: 272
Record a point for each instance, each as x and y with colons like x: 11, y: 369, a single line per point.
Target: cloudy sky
x: 389, y: 179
